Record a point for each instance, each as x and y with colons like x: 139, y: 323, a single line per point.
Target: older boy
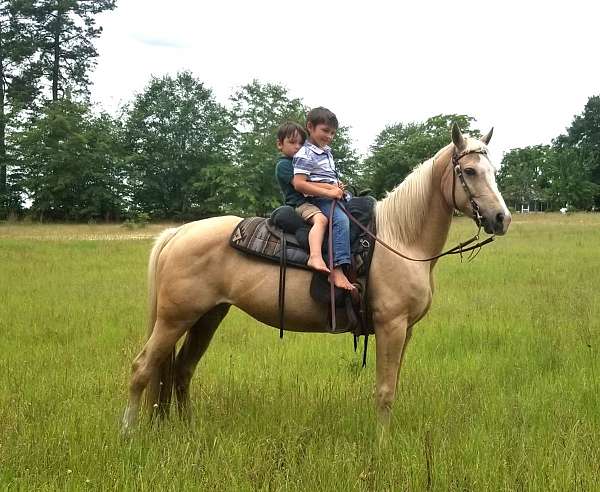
x: 316, y: 177
x: 290, y: 138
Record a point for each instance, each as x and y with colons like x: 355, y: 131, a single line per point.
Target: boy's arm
x: 331, y: 186
x: 302, y: 185
x: 325, y: 186
x: 303, y: 166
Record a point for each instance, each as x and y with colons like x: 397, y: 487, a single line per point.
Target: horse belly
x: 299, y: 314
x: 256, y: 292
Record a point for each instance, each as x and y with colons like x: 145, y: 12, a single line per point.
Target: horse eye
x: 469, y: 171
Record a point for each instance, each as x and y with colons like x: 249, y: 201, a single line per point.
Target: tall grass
x: 499, y: 390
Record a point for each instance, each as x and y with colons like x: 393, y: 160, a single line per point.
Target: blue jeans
x: 340, y: 231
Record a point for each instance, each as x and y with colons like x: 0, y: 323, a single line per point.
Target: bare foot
x: 340, y: 280
x: 317, y: 263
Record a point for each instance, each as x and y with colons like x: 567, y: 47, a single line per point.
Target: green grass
x: 499, y: 390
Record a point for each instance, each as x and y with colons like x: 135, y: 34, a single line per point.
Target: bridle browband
x: 460, y: 248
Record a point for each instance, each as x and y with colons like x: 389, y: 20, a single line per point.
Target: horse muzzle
x: 497, y: 224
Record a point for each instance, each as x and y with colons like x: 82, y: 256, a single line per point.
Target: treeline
x: 564, y: 174
x: 175, y: 152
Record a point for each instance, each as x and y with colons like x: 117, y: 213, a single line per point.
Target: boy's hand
x: 342, y: 186
x: 336, y: 193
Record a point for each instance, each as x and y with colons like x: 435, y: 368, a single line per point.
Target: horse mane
x: 401, y: 214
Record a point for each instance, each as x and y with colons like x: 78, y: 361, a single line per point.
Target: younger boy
x: 315, y: 176
x: 290, y: 138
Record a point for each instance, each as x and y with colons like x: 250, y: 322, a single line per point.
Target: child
x: 290, y: 138
x: 315, y: 176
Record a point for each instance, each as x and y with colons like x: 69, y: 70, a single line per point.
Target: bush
x: 137, y: 221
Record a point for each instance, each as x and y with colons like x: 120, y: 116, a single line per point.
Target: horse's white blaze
x: 490, y: 177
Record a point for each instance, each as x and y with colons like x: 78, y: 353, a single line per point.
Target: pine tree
x: 18, y: 83
x: 66, y: 30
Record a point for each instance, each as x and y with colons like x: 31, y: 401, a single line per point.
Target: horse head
x: 474, y: 190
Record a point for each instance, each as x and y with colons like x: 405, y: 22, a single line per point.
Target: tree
x: 402, y: 146
x: 258, y: 110
x: 66, y: 30
x: 547, y: 177
x: 570, y: 181
x: 72, y: 164
x: 18, y: 87
x: 179, y: 141
x: 524, y: 175
x: 584, y: 136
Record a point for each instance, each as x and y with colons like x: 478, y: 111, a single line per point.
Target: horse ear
x: 486, y: 139
x: 457, y: 138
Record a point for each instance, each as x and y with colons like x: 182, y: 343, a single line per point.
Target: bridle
x: 458, y: 173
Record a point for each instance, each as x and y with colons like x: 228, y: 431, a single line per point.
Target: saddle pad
x: 253, y: 236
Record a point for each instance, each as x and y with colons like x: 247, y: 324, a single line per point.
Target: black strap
x: 458, y: 173
x: 367, y: 320
x: 330, y: 257
x: 282, y: 270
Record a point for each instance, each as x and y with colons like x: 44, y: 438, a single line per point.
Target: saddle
x: 283, y: 238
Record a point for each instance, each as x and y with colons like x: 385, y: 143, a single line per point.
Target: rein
x: 460, y: 248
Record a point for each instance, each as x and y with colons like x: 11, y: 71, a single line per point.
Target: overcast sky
x: 524, y: 67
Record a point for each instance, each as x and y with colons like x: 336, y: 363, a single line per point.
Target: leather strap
x: 459, y: 174
x: 330, y: 258
x: 282, y: 271
x: 458, y: 249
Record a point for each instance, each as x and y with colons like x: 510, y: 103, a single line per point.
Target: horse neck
x: 416, y: 215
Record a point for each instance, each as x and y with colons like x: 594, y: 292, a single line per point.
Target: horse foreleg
x: 391, y: 339
x: 155, y: 352
x: 196, y: 342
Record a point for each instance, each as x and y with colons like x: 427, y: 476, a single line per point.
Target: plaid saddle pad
x: 258, y: 237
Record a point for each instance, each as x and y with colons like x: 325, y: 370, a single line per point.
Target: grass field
x: 500, y: 388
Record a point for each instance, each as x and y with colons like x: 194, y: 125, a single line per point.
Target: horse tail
x: 159, y: 244
x: 160, y: 386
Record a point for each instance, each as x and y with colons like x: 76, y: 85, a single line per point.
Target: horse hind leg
x: 196, y: 342
x: 148, y: 364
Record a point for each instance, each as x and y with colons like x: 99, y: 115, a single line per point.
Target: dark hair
x: 289, y: 129
x: 322, y: 116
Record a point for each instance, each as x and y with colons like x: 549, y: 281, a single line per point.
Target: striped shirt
x: 316, y: 163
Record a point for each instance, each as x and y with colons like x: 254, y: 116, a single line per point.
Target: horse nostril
x: 499, y: 218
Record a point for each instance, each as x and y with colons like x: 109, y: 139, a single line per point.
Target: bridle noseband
x: 458, y: 172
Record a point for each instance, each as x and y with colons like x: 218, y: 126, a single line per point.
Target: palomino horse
x: 195, y: 276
